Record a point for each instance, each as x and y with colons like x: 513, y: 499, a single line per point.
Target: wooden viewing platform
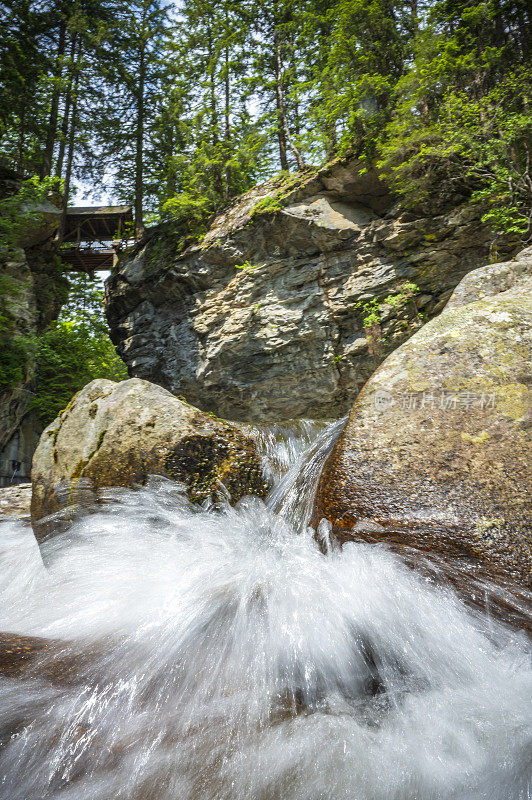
x: 93, y: 236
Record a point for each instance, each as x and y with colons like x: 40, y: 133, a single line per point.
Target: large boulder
x: 436, y: 452
x: 34, y: 222
x: 117, y: 434
x: 264, y: 319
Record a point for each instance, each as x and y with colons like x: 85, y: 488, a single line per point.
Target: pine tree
x: 463, y: 125
x: 24, y: 62
x: 177, y: 110
x: 273, y: 73
x: 219, y: 146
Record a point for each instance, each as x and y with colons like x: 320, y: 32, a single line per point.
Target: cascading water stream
x: 227, y: 658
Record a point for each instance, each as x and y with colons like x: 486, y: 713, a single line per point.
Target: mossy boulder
x: 117, y: 434
x: 435, y: 455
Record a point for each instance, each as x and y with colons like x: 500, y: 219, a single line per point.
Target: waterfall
x: 220, y: 654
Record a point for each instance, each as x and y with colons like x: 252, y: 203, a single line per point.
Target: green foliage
x: 374, y: 308
x: 267, y: 205
x: 70, y: 355
x: 472, y: 143
x: 75, y: 350
x: 190, y: 214
x: 9, y: 290
x: 246, y: 266
x: 16, y: 347
x: 182, y: 107
x: 16, y: 351
x: 20, y: 210
x: 462, y: 126
x: 283, y: 184
x: 366, y: 57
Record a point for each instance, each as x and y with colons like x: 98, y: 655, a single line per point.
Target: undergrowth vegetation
x: 74, y: 350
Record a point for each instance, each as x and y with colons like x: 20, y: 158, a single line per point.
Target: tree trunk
x: 66, y: 110
x: 283, y: 122
x: 281, y: 135
x: 331, y: 139
x: 70, y: 153
x: 46, y: 168
x: 414, y: 21
x: 139, y: 151
x: 297, y: 125
x: 227, y: 132
x: 170, y: 171
x: 20, y: 140
x: 218, y: 179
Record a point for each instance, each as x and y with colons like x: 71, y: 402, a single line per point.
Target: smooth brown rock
x: 116, y: 434
x: 436, y: 454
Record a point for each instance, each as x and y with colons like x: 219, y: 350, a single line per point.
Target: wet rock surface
x: 436, y: 453
x: 15, y: 501
x: 117, y: 434
x: 36, y: 657
x: 264, y: 319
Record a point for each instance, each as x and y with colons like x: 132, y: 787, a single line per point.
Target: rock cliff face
x: 264, y: 319
x: 29, y: 300
x: 20, y: 314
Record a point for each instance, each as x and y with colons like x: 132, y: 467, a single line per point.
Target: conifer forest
x: 177, y: 108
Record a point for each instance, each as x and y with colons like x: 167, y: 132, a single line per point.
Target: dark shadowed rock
x: 116, y: 434
x: 436, y: 454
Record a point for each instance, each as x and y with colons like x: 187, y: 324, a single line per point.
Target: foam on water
x: 233, y: 660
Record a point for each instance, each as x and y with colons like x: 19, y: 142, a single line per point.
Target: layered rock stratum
x: 264, y: 319
x: 31, y: 293
x: 15, y: 501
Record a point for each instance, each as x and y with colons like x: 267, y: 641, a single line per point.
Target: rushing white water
x: 233, y: 660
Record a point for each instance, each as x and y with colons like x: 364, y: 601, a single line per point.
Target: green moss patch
x: 210, y: 464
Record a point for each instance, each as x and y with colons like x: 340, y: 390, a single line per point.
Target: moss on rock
x: 136, y: 429
x: 437, y: 447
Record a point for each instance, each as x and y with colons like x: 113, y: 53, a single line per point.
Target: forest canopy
x: 177, y: 108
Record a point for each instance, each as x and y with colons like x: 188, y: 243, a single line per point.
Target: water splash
x: 293, y: 496
x: 232, y: 660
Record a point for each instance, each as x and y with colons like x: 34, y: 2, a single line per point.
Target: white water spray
x: 233, y: 660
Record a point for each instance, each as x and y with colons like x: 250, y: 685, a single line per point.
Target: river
x: 232, y: 658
